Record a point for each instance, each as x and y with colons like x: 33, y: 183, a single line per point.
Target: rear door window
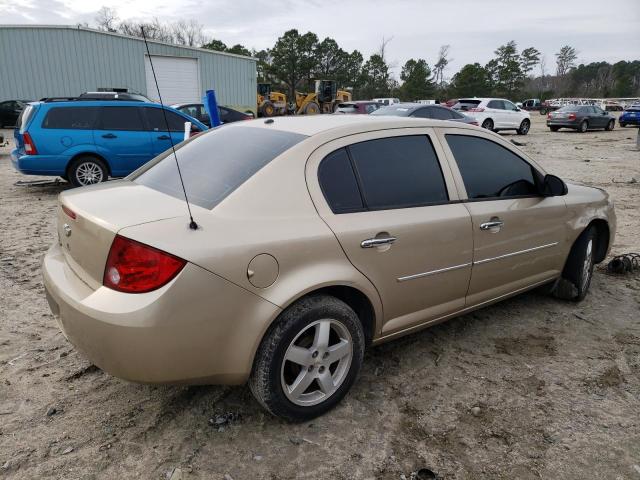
x: 68, y: 118
x: 398, y: 172
x: 156, y: 120
x: 214, y: 164
x: 490, y: 170
x: 338, y: 183
x: 497, y: 104
x: 441, y: 113
x: 120, y: 118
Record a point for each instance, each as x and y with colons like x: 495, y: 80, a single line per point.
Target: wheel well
x: 602, y: 239
x: 358, y: 301
x: 88, y: 154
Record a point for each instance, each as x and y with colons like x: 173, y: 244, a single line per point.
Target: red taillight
x: 29, y: 146
x: 480, y: 109
x: 549, y: 115
x: 474, y: 123
x: 133, y: 267
x: 572, y: 116
x: 69, y: 212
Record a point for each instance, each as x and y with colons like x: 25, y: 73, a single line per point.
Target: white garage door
x: 178, y: 79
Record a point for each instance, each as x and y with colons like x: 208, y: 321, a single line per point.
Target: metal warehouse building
x: 61, y: 61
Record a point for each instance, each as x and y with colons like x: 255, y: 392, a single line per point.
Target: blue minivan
x: 88, y: 141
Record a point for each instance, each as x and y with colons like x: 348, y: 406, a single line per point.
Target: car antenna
x: 192, y: 223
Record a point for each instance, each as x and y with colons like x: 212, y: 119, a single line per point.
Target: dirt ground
x: 556, y: 384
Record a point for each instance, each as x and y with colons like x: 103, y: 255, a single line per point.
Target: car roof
x: 99, y: 103
x: 317, y: 124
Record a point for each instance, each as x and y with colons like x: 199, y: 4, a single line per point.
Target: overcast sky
x: 598, y: 29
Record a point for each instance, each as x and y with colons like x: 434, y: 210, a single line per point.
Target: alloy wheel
x: 587, y: 264
x: 316, y: 362
x: 89, y: 173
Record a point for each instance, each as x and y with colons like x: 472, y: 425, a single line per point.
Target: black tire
x: 80, y: 171
x: 554, y: 129
x: 578, y: 270
x: 583, y: 127
x: 610, y: 125
x: 267, y: 109
x: 524, y: 127
x: 269, y: 367
x: 488, y: 124
x: 622, y: 124
x: 543, y: 111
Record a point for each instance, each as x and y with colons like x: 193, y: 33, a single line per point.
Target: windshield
x: 465, y: 105
x: 216, y: 163
x: 396, y: 110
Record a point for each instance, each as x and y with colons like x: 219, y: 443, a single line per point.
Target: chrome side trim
x: 433, y: 272
x: 513, y: 254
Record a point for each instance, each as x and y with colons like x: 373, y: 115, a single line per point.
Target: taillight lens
x: 474, y: 123
x: 549, y: 116
x: 572, y: 116
x: 133, y: 267
x: 69, y: 212
x: 29, y: 146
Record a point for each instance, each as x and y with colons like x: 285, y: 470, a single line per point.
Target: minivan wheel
x: 578, y: 271
x: 488, y: 124
x: 309, y: 359
x: 610, y: 125
x: 87, y: 171
x: 524, y: 127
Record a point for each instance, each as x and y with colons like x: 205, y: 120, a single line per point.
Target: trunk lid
x: 101, y: 211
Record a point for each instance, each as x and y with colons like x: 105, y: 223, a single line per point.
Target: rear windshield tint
x: 392, y: 110
x: 466, y: 104
x: 570, y: 108
x: 24, y: 117
x: 633, y: 109
x: 71, y: 118
x: 215, y: 164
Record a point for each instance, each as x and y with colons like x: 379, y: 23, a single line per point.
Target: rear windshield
x: 395, y: 110
x: 216, y: 163
x: 635, y: 108
x: 570, y: 108
x: 465, y: 105
x: 24, y: 117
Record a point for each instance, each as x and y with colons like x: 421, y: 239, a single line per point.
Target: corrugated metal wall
x: 54, y: 61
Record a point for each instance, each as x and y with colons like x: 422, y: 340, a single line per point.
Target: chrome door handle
x: 377, y: 242
x: 492, y: 224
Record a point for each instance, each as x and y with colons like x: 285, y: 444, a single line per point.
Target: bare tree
x: 107, y: 19
x: 188, y: 32
x: 440, y: 65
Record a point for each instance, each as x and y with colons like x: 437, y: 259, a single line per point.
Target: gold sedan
x: 314, y: 238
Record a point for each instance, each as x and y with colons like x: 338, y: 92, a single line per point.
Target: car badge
x: 67, y: 229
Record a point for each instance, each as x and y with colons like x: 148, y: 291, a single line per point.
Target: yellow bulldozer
x: 270, y: 103
x: 325, y: 99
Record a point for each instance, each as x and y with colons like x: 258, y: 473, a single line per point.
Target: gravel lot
x: 557, y: 385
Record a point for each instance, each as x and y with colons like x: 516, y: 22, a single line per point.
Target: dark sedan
x: 10, y: 110
x: 420, y: 110
x: 197, y: 111
x: 580, y: 118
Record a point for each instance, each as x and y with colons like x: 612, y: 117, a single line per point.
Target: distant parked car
x: 630, y: 116
x: 386, y: 101
x: 197, y: 111
x: 87, y: 141
x: 362, y: 107
x: 419, y: 110
x: 496, y: 114
x: 10, y: 110
x: 580, y: 118
x: 532, y: 105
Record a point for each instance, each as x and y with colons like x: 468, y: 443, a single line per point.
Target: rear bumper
x: 563, y: 123
x: 629, y: 120
x: 39, y: 164
x: 197, y: 329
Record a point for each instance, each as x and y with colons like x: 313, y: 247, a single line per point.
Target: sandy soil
x: 557, y: 385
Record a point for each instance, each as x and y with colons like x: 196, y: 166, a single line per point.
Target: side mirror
x: 553, y: 186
